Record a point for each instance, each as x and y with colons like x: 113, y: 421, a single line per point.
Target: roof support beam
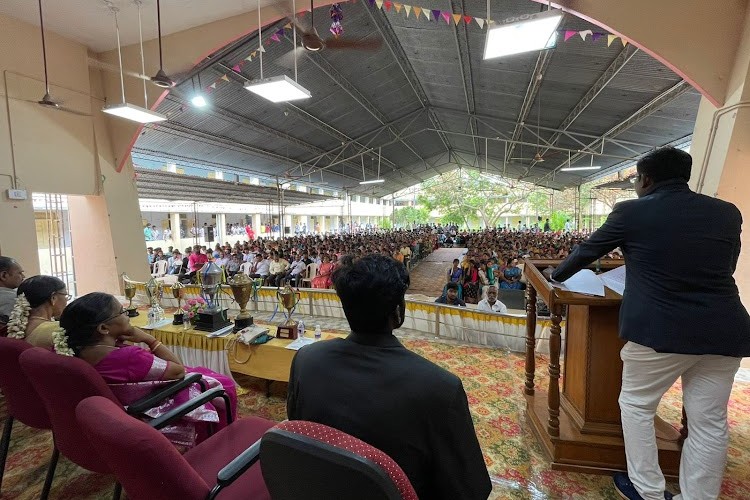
x: 464, y: 62
x: 542, y: 62
x: 397, y: 50
x: 642, y: 113
x: 625, y: 55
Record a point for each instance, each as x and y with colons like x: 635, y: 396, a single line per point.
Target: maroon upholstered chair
x: 22, y: 402
x: 301, y: 459
x: 63, y: 381
x: 148, y: 466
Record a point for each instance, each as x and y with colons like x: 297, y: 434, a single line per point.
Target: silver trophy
x: 210, y: 279
x: 154, y: 291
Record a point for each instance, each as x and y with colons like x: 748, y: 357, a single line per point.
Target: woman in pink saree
x: 323, y: 279
x: 96, y: 328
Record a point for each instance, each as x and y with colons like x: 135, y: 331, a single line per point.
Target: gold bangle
x: 155, y: 346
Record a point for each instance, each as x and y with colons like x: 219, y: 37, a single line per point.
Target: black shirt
x: 372, y: 387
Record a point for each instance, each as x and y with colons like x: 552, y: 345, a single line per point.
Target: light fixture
x: 533, y: 32
x: 278, y: 89
x: 576, y: 169
x: 124, y: 109
x: 373, y: 181
x: 198, y: 101
x: 378, y: 180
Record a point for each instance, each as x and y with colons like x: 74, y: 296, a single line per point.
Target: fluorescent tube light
x: 198, y: 101
x: 534, y: 32
x: 278, y: 89
x: 374, y: 181
x: 134, y: 113
x: 576, y: 169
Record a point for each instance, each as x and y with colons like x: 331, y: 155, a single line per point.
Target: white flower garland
x: 19, y: 318
x: 60, y: 342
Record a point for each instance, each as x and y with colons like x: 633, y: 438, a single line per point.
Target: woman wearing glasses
x: 96, y: 327
x: 40, y: 300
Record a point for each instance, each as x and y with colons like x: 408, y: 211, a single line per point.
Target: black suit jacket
x: 681, y: 250
x: 372, y: 387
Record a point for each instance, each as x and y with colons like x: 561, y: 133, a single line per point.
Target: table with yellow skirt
x: 270, y: 361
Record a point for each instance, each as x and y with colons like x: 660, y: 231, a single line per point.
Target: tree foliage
x: 411, y: 215
x: 465, y: 196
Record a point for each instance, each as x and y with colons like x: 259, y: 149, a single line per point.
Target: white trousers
x: 706, y: 384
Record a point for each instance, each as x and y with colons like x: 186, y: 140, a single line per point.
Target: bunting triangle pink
x: 275, y: 37
x: 446, y: 16
x: 569, y: 34
x: 236, y: 68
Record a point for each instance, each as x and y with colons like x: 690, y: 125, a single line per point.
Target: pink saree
x: 132, y: 373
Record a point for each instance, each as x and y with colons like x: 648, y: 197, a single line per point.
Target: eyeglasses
x: 635, y: 179
x: 66, y: 295
x: 124, y: 311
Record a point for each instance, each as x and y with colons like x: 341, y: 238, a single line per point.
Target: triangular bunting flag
x: 610, y: 39
x: 417, y: 11
x: 624, y: 42
x: 387, y: 4
x: 456, y: 18
x: 436, y: 14
x: 379, y: 3
x: 584, y: 33
x: 288, y: 26
x: 397, y: 6
x: 372, y: 2
x: 213, y: 85
x: 407, y: 8
x: 236, y: 68
x: 280, y: 31
x: 569, y: 34
x: 225, y: 78
x: 275, y: 37
x: 596, y: 36
x: 250, y: 57
x: 446, y: 17
x: 480, y: 22
x: 467, y: 19
x: 262, y: 49
x: 254, y: 53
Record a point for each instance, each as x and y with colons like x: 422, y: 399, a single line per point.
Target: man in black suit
x: 370, y: 386
x: 681, y: 316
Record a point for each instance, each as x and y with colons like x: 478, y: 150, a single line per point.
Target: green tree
x: 411, y: 215
x: 557, y: 220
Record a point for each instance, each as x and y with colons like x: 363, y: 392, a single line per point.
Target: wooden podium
x: 586, y: 436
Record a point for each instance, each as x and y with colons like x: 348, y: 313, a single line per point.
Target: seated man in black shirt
x: 372, y: 387
x: 450, y: 296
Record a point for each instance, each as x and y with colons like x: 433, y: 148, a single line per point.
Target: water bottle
x: 318, y: 333
x: 301, y: 329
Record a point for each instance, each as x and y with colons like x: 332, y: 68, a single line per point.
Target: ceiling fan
x: 47, y: 100
x: 312, y: 42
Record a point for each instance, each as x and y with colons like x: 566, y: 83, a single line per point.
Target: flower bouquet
x: 192, y: 307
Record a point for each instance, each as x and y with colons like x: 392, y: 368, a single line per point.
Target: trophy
x: 288, y: 298
x: 212, y: 318
x: 242, y: 287
x: 178, y: 292
x: 154, y: 292
x: 129, y: 288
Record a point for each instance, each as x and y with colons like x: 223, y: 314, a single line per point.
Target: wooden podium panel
x: 586, y: 436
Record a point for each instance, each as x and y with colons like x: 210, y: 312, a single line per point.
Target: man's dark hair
x: 6, y: 264
x: 451, y: 286
x: 370, y: 289
x: 666, y: 164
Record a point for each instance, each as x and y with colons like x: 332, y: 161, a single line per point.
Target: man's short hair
x: 451, y: 286
x: 666, y: 164
x: 370, y: 289
x: 6, y: 264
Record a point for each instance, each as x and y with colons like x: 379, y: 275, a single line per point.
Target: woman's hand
x: 136, y: 335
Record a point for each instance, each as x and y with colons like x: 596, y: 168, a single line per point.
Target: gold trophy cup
x: 178, y: 292
x: 129, y: 289
x: 288, y: 298
x: 242, y: 289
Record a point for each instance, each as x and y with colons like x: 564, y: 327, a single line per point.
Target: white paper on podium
x: 614, y: 279
x: 299, y: 343
x: 586, y: 282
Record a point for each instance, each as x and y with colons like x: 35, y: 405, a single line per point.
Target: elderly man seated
x: 490, y: 303
x: 372, y: 387
x: 11, y: 276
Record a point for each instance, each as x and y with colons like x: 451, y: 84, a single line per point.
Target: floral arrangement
x: 193, y: 307
x: 19, y: 318
x: 60, y: 343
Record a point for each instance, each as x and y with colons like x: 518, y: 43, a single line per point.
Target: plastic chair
x: 62, y: 382
x: 328, y: 463
x: 22, y: 402
x: 159, y: 268
x: 148, y: 466
x: 311, y: 271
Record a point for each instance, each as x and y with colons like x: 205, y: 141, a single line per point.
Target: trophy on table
x: 129, y: 288
x: 289, y: 299
x: 154, y: 293
x: 178, y: 292
x: 212, y: 318
x: 242, y: 288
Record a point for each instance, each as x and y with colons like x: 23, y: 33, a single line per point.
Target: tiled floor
x: 429, y: 276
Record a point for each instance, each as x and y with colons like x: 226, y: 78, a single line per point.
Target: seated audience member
x: 510, y: 279
x: 260, y: 267
x: 175, y: 263
x: 415, y: 411
x: 95, y: 328
x: 40, y: 300
x: 455, y: 273
x: 491, y: 304
x: 233, y: 266
x: 197, y: 259
x: 472, y: 283
x: 450, y: 296
x: 323, y: 279
x: 277, y: 269
x: 295, y: 272
x: 11, y: 276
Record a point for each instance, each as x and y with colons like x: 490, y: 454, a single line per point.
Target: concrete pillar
x: 290, y: 223
x: 256, y: 225
x: 336, y: 220
x: 174, y: 219
x: 220, y: 231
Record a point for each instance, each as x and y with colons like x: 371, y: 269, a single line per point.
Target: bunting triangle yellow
x: 456, y: 18
x: 480, y: 22
x: 379, y: 3
x: 624, y: 42
x: 417, y: 11
x: 426, y: 13
x: 610, y: 39
x: 398, y: 6
x: 407, y: 8
x: 225, y: 78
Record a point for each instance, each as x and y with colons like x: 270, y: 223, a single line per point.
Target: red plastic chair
x: 22, y: 402
x: 149, y: 467
x: 63, y: 381
x: 301, y: 459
